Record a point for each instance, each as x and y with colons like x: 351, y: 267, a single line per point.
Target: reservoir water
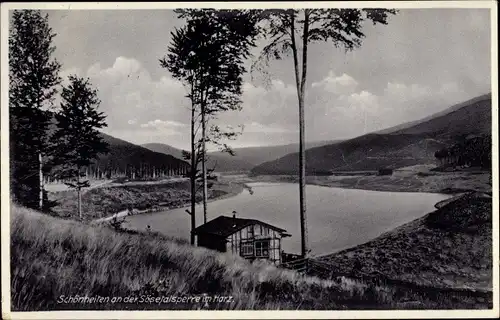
x: 337, y: 218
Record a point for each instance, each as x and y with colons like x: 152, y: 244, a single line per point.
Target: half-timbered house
x: 249, y: 238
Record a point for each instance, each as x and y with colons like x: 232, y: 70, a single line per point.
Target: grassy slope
x: 51, y: 257
x: 450, y: 247
x: 105, y: 201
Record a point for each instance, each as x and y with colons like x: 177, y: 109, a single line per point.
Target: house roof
x: 224, y: 226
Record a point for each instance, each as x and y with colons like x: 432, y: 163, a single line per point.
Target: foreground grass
x: 448, y: 248
x: 108, y: 200
x: 52, y: 258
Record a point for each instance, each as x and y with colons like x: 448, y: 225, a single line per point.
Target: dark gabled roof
x: 224, y: 226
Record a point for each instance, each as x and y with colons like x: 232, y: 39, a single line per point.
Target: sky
x: 422, y: 62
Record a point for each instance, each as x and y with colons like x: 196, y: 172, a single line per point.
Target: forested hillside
x: 125, y: 159
x: 399, y: 147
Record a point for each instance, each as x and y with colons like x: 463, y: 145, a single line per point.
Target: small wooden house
x: 249, y: 238
x: 385, y: 171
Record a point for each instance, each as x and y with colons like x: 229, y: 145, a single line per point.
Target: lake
x: 337, y: 218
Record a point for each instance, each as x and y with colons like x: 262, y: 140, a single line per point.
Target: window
x: 265, y: 231
x: 247, y: 249
x: 262, y: 248
x: 258, y: 230
x: 250, y: 232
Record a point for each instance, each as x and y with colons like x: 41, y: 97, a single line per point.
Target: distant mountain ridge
x: 243, y: 160
x: 408, y: 144
x: 220, y: 162
x: 435, y: 115
x: 258, y: 155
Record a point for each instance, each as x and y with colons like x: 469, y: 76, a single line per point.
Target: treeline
x: 469, y: 152
x: 97, y: 171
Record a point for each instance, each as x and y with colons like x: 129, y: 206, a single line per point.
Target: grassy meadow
x: 53, y: 257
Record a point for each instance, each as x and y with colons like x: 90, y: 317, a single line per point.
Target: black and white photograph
x: 334, y: 159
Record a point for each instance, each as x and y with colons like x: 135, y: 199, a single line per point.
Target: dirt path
x: 59, y: 187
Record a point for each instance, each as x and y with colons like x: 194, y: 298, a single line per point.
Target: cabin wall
x: 212, y: 242
x: 252, y: 233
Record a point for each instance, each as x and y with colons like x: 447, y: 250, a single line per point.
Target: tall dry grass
x: 51, y: 258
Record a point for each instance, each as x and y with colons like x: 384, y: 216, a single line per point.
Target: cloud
x: 282, y: 89
x: 363, y: 99
x: 162, y: 124
x: 336, y: 84
x: 164, y: 128
x: 362, y: 111
x: 127, y: 91
x: 405, y: 92
x: 409, y: 69
x: 269, y: 114
x: 274, y: 105
x: 449, y: 88
x: 255, y: 127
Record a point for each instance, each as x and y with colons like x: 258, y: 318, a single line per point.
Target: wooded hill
x: 405, y: 145
x: 125, y: 159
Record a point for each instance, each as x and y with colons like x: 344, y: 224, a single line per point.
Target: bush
x: 385, y: 171
x: 468, y: 213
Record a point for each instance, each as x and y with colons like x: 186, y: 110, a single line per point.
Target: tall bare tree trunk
x: 300, y: 85
x: 192, y: 176
x: 79, y: 202
x: 79, y: 191
x: 203, y: 164
x: 302, y: 133
x: 40, y: 174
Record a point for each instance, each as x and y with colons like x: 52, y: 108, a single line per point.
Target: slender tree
x: 33, y: 78
x: 78, y: 124
x: 225, y: 39
x: 207, y: 56
x: 291, y: 31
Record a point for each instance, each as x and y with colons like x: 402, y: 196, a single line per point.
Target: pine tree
x: 77, y: 133
x: 33, y: 78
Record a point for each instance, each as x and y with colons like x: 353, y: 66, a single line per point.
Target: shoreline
x: 340, y: 182
x: 444, y: 183
x: 451, y: 248
x: 156, y: 208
